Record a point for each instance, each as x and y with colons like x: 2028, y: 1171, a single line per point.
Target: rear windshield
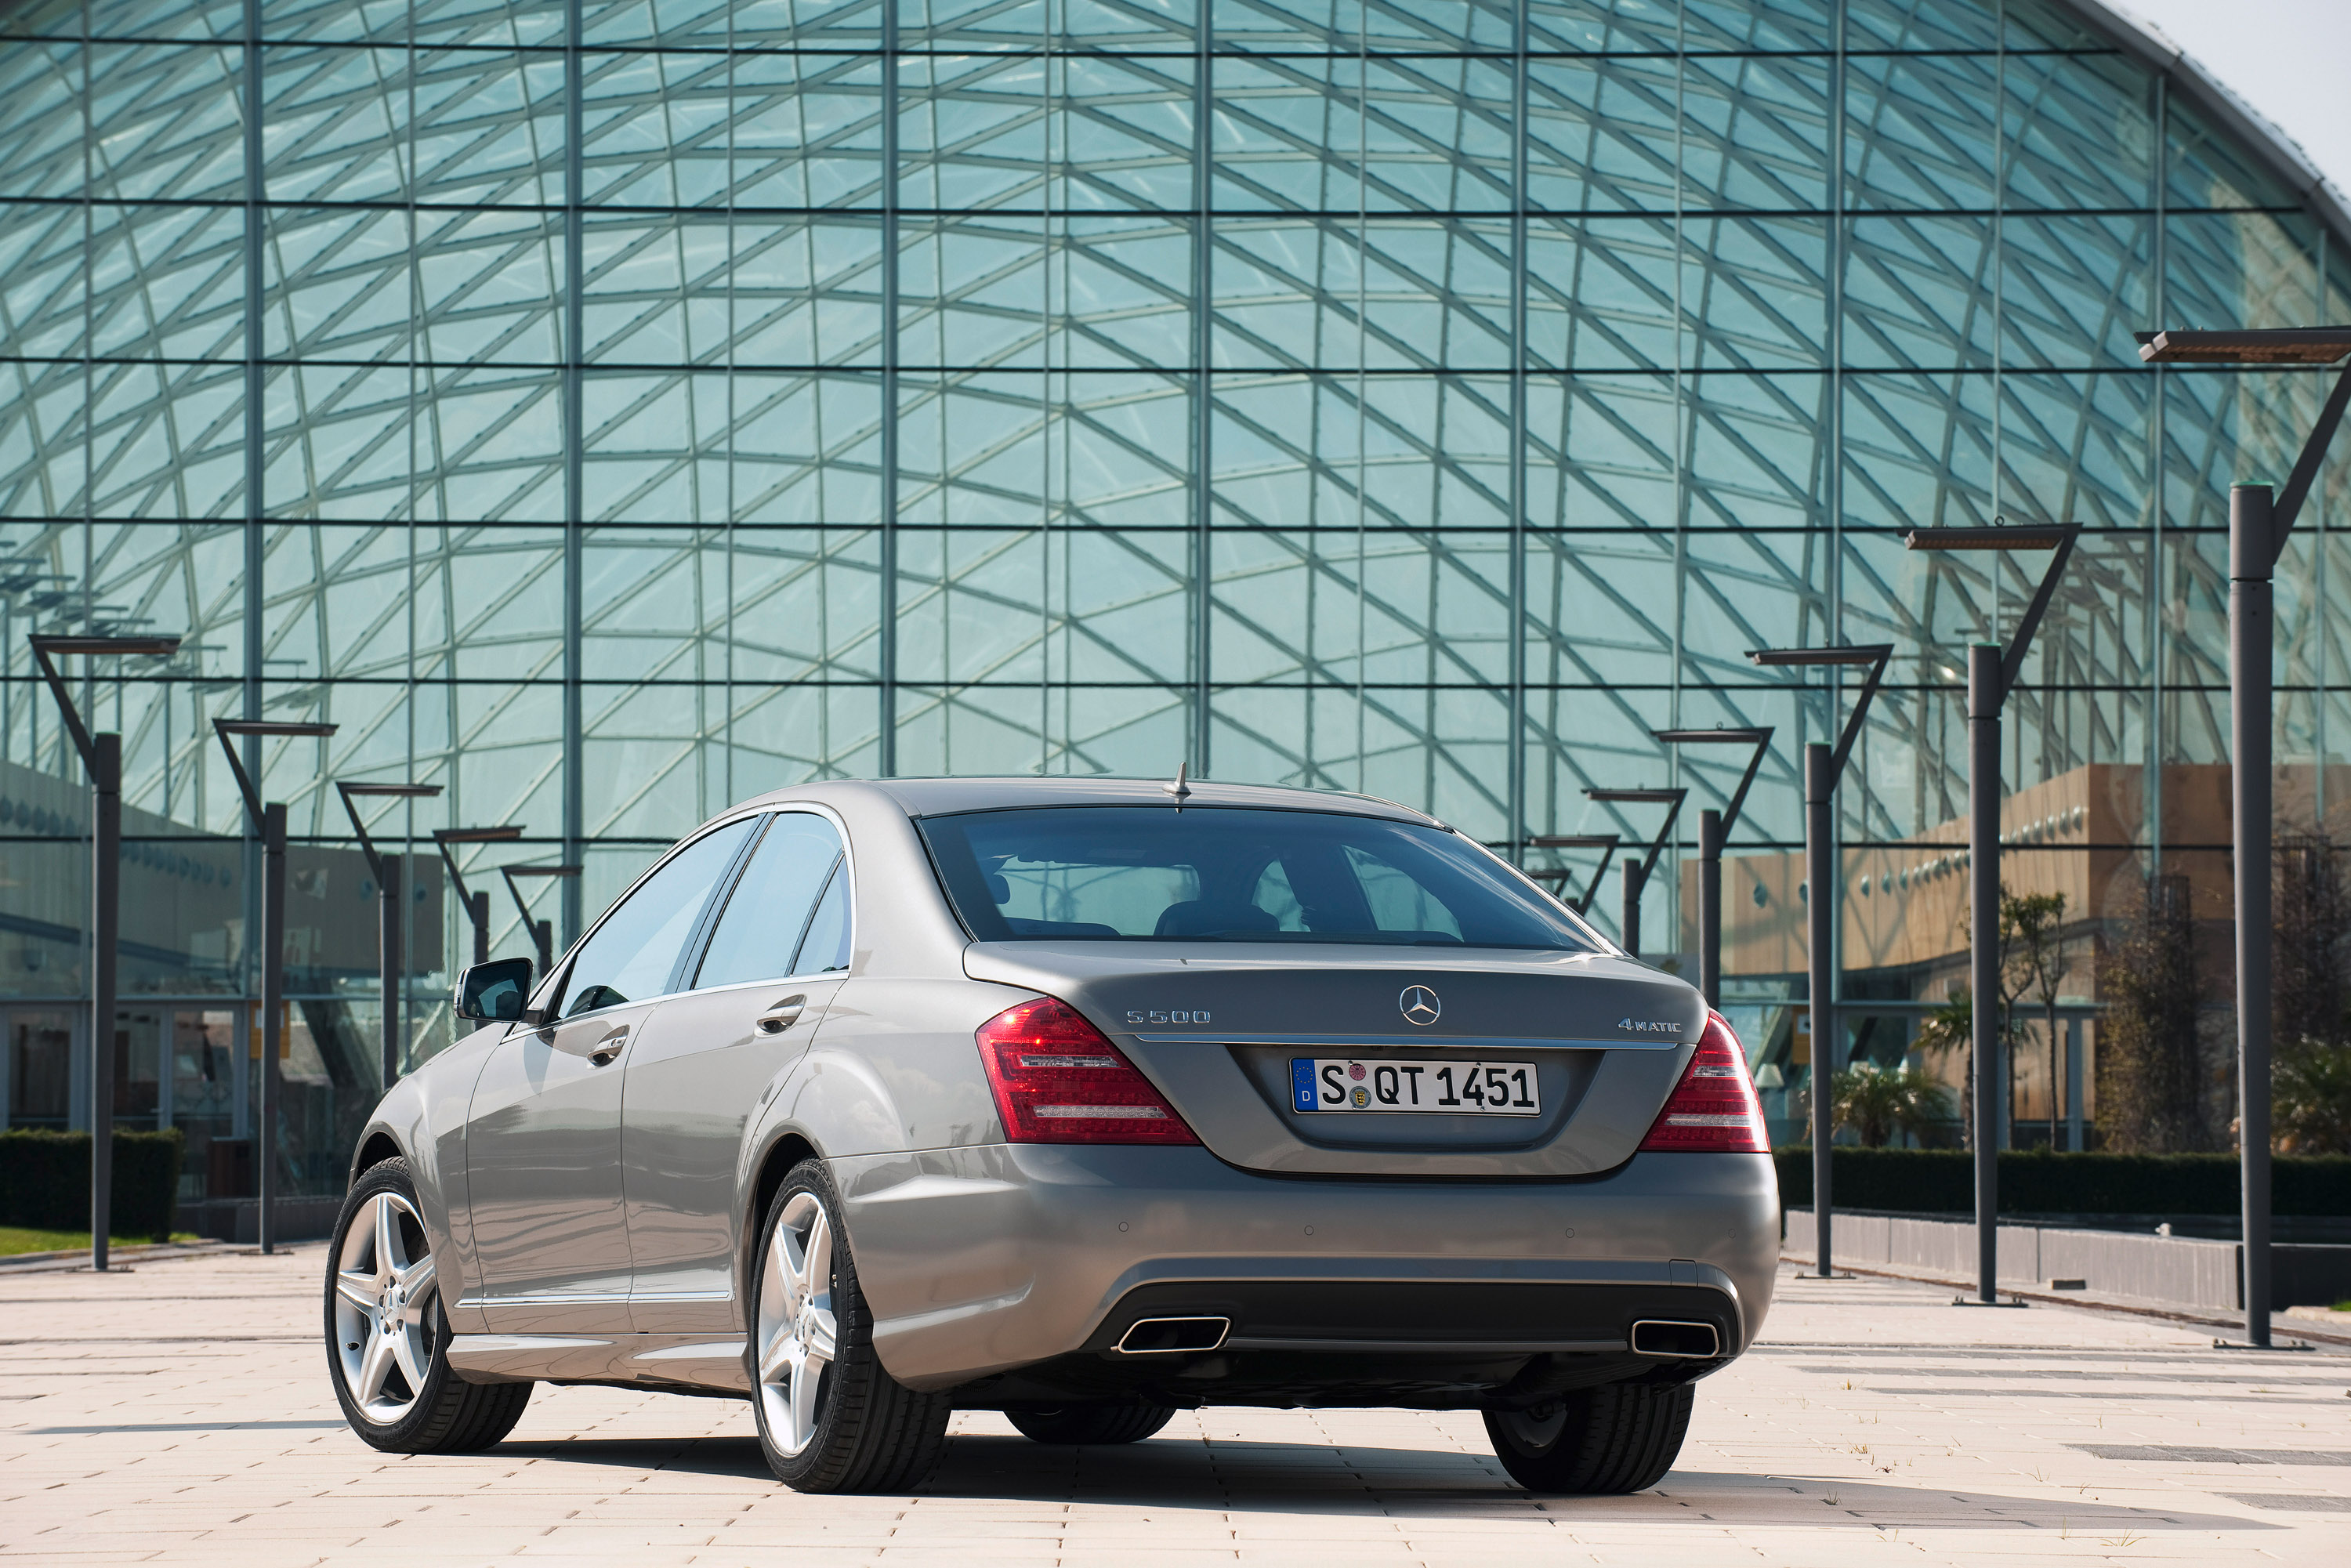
x: 1223, y: 875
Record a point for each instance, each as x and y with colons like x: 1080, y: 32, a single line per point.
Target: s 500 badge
x: 1154, y: 1015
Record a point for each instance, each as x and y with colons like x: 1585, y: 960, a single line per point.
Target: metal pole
x: 478, y: 907
x: 1632, y: 907
x: 1820, y: 900
x: 273, y: 995
x: 542, y: 932
x: 1709, y: 906
x: 1984, y: 699
x: 388, y: 946
x: 2252, y: 553
x: 106, y: 924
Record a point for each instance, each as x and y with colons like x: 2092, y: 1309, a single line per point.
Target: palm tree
x: 1948, y: 1028
x: 1877, y: 1101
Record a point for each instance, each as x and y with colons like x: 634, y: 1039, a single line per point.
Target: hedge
x: 2035, y: 1181
x: 44, y: 1181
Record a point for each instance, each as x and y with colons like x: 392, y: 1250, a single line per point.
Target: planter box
x: 2179, y: 1270
x: 44, y: 1181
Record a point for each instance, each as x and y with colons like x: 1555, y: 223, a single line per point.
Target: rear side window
x: 1226, y: 874
x: 767, y: 915
x: 633, y: 953
x: 825, y: 949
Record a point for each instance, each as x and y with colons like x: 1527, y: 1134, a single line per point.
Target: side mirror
x: 495, y: 992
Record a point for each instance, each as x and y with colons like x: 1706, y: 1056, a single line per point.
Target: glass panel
x: 768, y: 910
x: 632, y: 954
x: 139, y: 1041
x: 203, y: 1094
x: 1097, y: 872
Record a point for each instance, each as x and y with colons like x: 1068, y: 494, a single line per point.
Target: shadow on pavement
x: 688, y: 1456
x: 1312, y: 1478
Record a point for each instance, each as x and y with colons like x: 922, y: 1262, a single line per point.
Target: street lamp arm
x: 515, y: 892
x: 2011, y: 663
x: 456, y: 877
x: 1739, y: 796
x: 367, y: 844
x: 2305, y: 467
x: 1584, y: 904
x: 1665, y: 834
x: 243, y: 779
x: 74, y: 725
x: 1884, y: 652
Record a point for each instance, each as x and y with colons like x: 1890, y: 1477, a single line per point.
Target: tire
x: 1091, y: 1423
x: 387, y: 1331
x: 1618, y: 1438
x: 830, y: 1418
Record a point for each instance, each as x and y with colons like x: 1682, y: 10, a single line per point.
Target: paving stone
x: 183, y: 1414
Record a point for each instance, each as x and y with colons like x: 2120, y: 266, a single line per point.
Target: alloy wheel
x: 798, y: 1335
x: 385, y: 1296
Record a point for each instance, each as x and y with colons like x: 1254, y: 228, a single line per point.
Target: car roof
x: 941, y: 797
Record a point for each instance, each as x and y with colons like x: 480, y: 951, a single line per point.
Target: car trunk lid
x: 1587, y: 1048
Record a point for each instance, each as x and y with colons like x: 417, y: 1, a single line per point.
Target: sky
x: 2287, y: 58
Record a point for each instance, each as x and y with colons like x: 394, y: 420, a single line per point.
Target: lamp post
x: 270, y: 821
x: 1823, y: 771
x: 1991, y: 672
x: 2258, y: 526
x: 1713, y: 827
x: 1605, y: 842
x: 101, y: 758
x: 477, y: 904
x: 386, y: 870
x: 1637, y: 872
x: 542, y: 934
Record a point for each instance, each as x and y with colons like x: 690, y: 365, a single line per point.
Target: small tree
x: 1877, y: 1101
x: 2311, y: 928
x: 2149, y: 1098
x: 2031, y: 962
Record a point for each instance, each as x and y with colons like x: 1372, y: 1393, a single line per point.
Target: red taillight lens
x: 1058, y: 1081
x: 1713, y: 1110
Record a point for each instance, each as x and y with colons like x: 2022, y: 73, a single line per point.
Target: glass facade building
x: 607, y: 411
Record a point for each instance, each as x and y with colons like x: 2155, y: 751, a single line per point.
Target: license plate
x: 1454, y: 1087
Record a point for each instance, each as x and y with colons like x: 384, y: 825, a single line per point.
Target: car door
x: 774, y: 958
x: 543, y: 1128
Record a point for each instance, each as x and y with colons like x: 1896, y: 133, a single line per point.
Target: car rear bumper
x: 1012, y: 1274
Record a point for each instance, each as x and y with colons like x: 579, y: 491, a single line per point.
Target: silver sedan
x: 1084, y: 1100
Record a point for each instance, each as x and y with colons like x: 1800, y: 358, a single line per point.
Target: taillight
x: 1058, y: 1081
x: 1713, y: 1110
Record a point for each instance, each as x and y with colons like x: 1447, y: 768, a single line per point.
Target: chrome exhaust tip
x: 1680, y: 1340
x: 1171, y: 1336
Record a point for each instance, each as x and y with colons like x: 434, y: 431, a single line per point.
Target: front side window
x: 768, y: 915
x: 1231, y: 875
x: 632, y: 955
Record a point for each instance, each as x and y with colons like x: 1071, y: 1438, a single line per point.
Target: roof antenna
x: 1181, y: 790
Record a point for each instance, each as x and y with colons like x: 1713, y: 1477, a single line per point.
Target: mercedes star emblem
x: 1419, y: 1004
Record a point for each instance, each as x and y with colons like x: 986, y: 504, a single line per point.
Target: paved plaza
x: 180, y: 1413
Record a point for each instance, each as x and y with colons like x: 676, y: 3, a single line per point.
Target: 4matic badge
x: 1649, y: 1026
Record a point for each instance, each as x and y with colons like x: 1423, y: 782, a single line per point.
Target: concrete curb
x: 78, y: 1257
x: 2281, y: 1326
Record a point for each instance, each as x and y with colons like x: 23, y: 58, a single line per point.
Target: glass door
x: 40, y: 1068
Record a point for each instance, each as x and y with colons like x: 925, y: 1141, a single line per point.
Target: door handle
x: 780, y: 1017
x: 608, y: 1048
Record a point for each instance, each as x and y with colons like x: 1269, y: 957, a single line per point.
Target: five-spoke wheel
x: 797, y: 1334
x: 830, y: 1417
x: 383, y: 1307
x: 387, y: 1334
